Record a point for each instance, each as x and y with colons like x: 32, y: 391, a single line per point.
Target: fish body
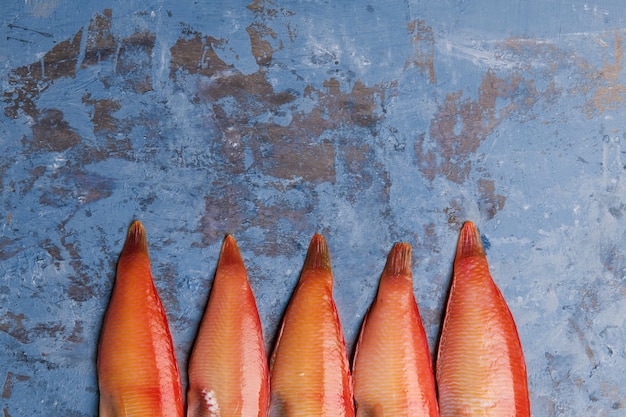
x: 137, y: 370
x: 392, y: 373
x: 309, y: 369
x: 228, y: 369
x: 480, y: 365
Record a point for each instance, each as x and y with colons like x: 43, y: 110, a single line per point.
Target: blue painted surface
x: 370, y: 123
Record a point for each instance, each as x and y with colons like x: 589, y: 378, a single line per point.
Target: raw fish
x: 309, y: 370
x: 480, y: 365
x: 137, y: 370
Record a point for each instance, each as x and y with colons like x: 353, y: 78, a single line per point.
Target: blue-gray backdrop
x: 368, y: 122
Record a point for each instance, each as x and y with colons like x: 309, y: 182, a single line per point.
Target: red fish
x: 480, y: 365
x: 228, y: 370
x: 309, y: 369
x: 393, y: 374
x: 137, y: 370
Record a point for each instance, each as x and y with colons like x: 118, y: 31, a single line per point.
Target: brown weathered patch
x: 264, y: 40
x: 49, y: 329
x: 423, y: 40
x: 459, y: 127
x: 80, y: 288
x: 52, y: 133
x: 6, y: 251
x: 108, y: 127
x: 9, y: 382
x: 609, y: 94
x: 266, y: 131
x: 77, y: 333
x: 264, y: 43
x: 102, y: 114
x: 134, y: 62
x: 291, y: 159
x: 12, y: 324
x: 53, y: 250
x: 28, y: 82
x: 100, y: 43
x: 224, y: 212
x: 197, y: 55
x: 456, y: 214
x: 489, y: 202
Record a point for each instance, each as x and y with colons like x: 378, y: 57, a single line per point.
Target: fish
x: 309, y: 368
x: 228, y: 367
x: 480, y: 368
x: 136, y: 363
x: 392, y: 368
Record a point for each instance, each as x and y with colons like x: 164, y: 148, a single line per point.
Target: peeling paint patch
x: 423, y: 40
x: 9, y: 383
x: 196, y: 55
x: 610, y: 93
x: 13, y: 325
x: 100, y: 45
x: 52, y: 133
x: 28, y: 82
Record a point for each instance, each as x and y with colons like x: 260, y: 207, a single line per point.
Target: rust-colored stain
x: 609, y: 94
x: 423, y: 40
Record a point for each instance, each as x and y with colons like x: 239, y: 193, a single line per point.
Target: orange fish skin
x: 480, y: 366
x: 309, y: 369
x: 228, y: 369
x: 137, y: 370
x: 392, y: 373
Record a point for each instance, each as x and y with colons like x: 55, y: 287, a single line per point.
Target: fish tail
x: 230, y: 253
x: 317, y: 256
x: 470, y: 243
x: 399, y: 260
x: 136, y: 240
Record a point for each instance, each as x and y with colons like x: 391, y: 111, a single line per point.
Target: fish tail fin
x: 317, y: 256
x: 230, y: 253
x: 470, y: 243
x: 399, y: 260
x: 136, y: 240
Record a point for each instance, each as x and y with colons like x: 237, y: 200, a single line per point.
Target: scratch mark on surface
x: 46, y: 34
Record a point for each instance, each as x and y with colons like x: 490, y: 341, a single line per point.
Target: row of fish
x: 480, y: 368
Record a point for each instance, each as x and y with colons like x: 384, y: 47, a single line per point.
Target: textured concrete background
x: 368, y: 122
